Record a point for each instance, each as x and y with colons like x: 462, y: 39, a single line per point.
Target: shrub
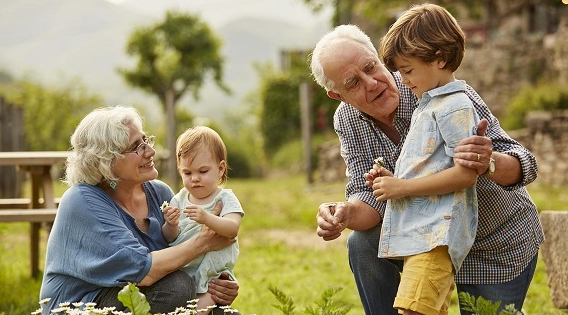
x: 546, y: 97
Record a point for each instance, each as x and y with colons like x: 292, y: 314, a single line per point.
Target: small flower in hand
x: 164, y: 205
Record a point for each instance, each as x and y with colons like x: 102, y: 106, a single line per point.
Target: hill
x: 65, y: 39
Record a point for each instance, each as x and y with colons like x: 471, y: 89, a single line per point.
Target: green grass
x: 279, y: 248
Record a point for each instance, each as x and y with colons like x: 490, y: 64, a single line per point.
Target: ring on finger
x: 478, y: 157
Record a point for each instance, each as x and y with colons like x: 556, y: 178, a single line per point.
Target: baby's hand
x: 196, y: 213
x: 171, y: 215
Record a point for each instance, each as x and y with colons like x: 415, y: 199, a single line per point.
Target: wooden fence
x: 12, y: 138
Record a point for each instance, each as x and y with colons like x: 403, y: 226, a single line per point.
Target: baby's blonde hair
x: 202, y: 138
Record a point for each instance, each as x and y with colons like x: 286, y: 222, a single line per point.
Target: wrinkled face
x: 420, y: 76
x: 361, y: 80
x: 201, y: 174
x: 133, y: 168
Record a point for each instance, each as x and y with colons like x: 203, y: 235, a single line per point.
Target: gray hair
x: 328, y: 43
x: 99, y: 139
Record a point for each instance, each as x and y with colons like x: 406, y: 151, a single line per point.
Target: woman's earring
x: 112, y: 184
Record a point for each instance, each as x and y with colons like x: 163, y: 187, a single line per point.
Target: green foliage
x: 286, y: 304
x: 136, y: 302
x: 545, y: 97
x: 280, y: 116
x: 51, y: 114
x: 290, y: 156
x: 327, y: 305
x: 481, y: 306
x: 174, y: 55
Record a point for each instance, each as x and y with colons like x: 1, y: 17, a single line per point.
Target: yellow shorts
x: 426, y: 283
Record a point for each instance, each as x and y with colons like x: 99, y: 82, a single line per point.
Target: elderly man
x: 372, y: 121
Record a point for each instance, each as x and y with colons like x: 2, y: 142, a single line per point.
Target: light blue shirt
x: 211, y: 264
x: 414, y: 225
x: 94, y: 243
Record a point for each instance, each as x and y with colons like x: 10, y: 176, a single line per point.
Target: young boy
x: 202, y: 164
x: 431, y: 215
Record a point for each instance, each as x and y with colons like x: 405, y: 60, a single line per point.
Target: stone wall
x: 546, y: 136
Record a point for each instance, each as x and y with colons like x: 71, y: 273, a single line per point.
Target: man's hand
x: 332, y: 220
x: 475, y: 151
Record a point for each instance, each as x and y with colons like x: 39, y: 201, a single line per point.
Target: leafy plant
x: 327, y: 305
x: 131, y: 297
x: 481, y: 306
x: 286, y: 305
x: 545, y: 97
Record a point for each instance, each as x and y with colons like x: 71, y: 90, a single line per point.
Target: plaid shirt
x: 509, y: 232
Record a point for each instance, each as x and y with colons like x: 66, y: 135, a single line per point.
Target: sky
x: 218, y: 12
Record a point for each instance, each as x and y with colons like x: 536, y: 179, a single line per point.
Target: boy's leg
x: 427, y: 283
x: 510, y: 292
x: 377, y: 278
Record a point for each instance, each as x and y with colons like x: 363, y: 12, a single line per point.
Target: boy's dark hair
x: 427, y: 32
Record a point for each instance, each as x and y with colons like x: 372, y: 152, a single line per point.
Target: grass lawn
x: 279, y: 249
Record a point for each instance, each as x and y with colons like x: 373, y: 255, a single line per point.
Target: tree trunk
x: 172, y: 174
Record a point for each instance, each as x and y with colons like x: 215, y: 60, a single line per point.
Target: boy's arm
x: 449, y: 180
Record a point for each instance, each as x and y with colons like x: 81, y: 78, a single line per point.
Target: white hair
x: 99, y: 139
x: 331, y: 42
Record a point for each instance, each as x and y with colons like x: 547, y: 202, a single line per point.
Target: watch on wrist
x: 491, y: 168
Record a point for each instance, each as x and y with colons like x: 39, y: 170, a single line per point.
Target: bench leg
x: 34, y: 248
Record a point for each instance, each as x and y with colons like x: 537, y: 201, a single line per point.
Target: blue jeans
x: 510, y: 292
x: 377, y: 279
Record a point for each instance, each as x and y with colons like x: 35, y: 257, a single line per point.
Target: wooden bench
x: 28, y: 215
x: 36, y: 217
x: 21, y: 203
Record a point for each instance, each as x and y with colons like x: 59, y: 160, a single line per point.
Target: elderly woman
x: 107, y: 232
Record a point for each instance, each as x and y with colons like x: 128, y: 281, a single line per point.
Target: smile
x: 151, y: 164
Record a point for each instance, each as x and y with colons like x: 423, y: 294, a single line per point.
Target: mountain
x: 56, y: 40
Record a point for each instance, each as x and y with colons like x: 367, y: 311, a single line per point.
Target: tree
x: 51, y: 113
x: 174, y: 57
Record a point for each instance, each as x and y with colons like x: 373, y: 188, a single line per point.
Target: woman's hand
x: 223, y: 291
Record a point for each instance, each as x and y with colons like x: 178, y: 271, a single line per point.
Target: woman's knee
x: 170, y: 292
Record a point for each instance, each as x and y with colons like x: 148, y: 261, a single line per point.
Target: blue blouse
x: 94, y: 244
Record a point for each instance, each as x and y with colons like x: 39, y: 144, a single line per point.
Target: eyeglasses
x: 141, y: 148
